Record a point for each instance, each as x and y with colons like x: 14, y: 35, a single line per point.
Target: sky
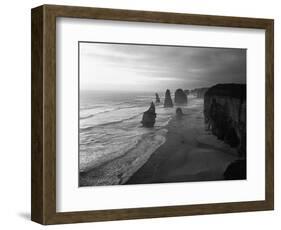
x: 129, y: 67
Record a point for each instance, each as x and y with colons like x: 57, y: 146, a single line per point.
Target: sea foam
x: 119, y: 170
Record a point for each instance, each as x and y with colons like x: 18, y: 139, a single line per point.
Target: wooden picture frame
x: 43, y: 205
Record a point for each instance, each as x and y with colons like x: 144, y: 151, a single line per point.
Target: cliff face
x: 225, y: 114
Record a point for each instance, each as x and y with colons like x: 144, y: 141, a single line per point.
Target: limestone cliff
x: 225, y: 114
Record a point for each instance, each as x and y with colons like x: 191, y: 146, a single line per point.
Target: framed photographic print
x: 140, y: 114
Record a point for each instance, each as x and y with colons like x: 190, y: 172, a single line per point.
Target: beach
x: 190, y: 153
x: 180, y: 151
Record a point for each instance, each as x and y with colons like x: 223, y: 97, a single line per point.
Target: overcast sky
x: 156, y: 68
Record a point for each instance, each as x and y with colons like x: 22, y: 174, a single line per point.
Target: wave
x: 89, y: 128
x: 102, y: 105
x: 118, y: 168
x: 93, y: 114
x: 86, y: 107
x: 97, y: 113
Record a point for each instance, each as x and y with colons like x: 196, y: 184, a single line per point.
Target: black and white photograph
x: 160, y: 114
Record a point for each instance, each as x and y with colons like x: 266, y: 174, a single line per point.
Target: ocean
x: 110, y: 128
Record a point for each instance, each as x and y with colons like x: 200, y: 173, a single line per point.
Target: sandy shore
x: 190, y: 153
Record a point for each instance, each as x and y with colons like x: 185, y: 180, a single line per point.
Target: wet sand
x: 190, y: 153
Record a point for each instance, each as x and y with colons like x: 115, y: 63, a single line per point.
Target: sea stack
x: 180, y: 97
x: 157, y: 98
x: 168, y: 100
x: 179, y: 113
x: 148, y: 118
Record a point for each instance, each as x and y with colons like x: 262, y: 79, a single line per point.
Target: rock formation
x: 180, y: 97
x: 179, y: 113
x: 198, y: 92
x: 168, y: 100
x: 187, y: 91
x: 157, y: 100
x: 236, y: 170
x: 148, y: 118
x: 225, y: 114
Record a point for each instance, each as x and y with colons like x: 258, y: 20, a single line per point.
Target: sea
x: 110, y: 128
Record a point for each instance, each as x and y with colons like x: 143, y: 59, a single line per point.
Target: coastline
x: 190, y: 153
x: 182, y: 151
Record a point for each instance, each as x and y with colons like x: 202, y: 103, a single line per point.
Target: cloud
x: 160, y: 66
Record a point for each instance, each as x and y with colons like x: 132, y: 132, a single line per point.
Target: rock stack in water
x: 157, y: 98
x: 148, y: 118
x: 179, y: 113
x: 180, y: 97
x: 168, y: 100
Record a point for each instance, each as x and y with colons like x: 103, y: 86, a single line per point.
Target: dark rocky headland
x: 225, y: 114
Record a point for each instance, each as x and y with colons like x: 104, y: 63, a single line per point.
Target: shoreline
x: 120, y: 169
x: 190, y: 153
x: 187, y: 152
